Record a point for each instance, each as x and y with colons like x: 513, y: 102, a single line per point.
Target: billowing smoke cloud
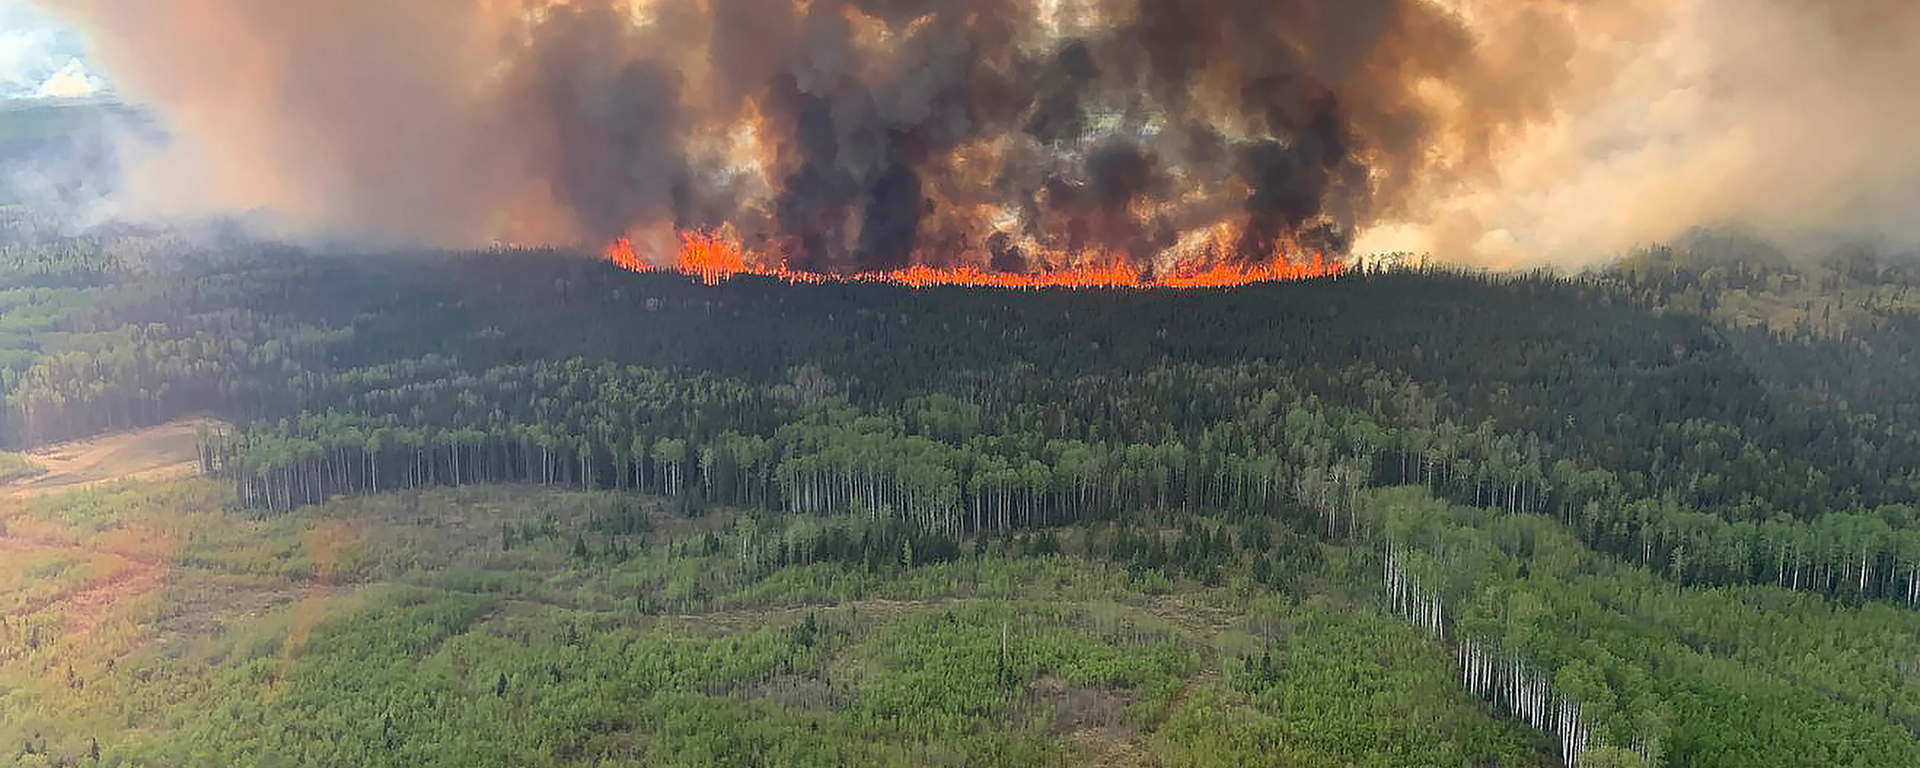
x: 1019, y: 134
x: 1792, y: 118
x: 38, y: 58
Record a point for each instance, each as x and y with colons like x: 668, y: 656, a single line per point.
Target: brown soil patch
x: 735, y: 620
x: 203, y: 603
x: 1092, y: 717
x: 1110, y: 746
x: 805, y: 692
x: 127, y: 581
x: 155, y: 453
x: 124, y: 565
x: 324, y: 540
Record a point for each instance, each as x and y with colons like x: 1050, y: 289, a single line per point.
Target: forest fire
x: 713, y: 258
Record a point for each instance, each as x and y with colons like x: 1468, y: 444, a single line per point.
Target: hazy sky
x: 39, y: 56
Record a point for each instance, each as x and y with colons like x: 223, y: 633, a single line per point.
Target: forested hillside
x: 1662, y: 513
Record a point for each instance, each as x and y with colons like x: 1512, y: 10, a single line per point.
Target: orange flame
x: 713, y: 259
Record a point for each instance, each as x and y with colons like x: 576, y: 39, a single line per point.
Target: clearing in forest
x: 155, y: 453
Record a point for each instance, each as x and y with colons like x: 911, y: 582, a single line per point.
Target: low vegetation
x: 519, y: 508
x: 14, y: 466
x: 404, y: 629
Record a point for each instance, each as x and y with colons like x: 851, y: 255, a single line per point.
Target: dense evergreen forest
x: 1659, y: 513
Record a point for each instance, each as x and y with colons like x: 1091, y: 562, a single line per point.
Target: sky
x: 1624, y: 122
x: 40, y: 57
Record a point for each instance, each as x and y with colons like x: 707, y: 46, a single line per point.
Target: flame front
x: 714, y: 258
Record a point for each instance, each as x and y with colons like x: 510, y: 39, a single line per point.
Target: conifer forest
x: 523, y: 507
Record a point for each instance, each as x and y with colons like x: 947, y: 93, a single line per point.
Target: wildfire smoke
x: 1007, y: 137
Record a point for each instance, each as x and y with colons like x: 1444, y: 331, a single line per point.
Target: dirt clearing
x: 155, y: 453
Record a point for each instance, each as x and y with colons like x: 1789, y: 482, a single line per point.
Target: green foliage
x: 1342, y: 681
x: 14, y: 466
x: 1612, y: 757
x: 432, y: 646
x: 637, y: 520
x: 962, y: 670
x: 1749, y: 676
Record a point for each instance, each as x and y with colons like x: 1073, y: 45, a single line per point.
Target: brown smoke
x: 1790, y: 117
x: 867, y: 134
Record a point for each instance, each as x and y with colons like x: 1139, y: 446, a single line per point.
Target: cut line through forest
x: 154, y: 453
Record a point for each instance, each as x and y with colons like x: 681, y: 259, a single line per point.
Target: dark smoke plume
x: 871, y: 134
